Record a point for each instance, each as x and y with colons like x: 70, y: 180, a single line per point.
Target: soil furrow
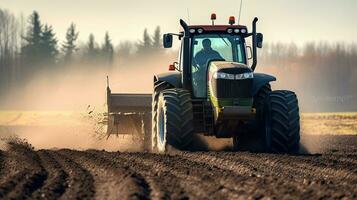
x: 284, y: 169
x: 32, y: 176
x: 9, y: 184
x: 195, y: 178
x: 94, y: 174
x: 311, y: 167
x: 11, y: 173
x: 163, y: 184
x: 8, y: 166
x: 237, y: 185
x: 56, y: 182
x: 31, y: 182
x: 112, y: 181
x: 1, y: 162
x: 240, y: 167
x: 79, y: 182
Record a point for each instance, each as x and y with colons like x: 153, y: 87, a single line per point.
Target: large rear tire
x: 253, y: 140
x: 282, y: 122
x: 174, y: 121
x: 150, y: 137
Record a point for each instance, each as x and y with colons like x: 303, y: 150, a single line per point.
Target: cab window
x: 208, y: 47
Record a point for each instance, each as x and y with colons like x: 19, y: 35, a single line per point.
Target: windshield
x: 209, y: 47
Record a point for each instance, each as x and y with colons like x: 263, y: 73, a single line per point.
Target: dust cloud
x: 75, y: 87
x: 65, y: 108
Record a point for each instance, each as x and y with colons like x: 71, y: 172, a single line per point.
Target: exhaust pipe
x: 254, y: 40
x: 185, y: 27
x: 186, y: 78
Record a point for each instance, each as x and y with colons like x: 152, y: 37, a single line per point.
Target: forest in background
x: 29, y: 46
x: 324, y: 74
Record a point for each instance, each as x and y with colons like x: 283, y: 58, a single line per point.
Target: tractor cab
x: 202, y: 44
x: 214, y: 45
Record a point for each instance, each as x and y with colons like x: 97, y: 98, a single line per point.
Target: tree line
x: 323, y: 73
x: 28, y: 46
x: 323, y: 70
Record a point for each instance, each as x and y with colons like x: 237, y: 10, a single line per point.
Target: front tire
x: 282, y: 122
x: 150, y: 137
x: 174, y: 121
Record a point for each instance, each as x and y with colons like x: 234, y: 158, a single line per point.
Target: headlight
x: 236, y: 30
x: 222, y: 75
x: 244, y: 76
x: 200, y: 30
x: 192, y: 30
x: 243, y: 30
x: 230, y: 30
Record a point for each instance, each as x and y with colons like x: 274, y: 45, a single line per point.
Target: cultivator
x: 128, y: 113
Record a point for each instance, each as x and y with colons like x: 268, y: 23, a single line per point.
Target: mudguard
x: 260, y: 80
x: 173, y: 78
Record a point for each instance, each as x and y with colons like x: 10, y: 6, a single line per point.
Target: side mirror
x: 249, y: 52
x: 167, y: 40
x: 259, y: 40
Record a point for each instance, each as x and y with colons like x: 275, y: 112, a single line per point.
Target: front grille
x: 232, y: 88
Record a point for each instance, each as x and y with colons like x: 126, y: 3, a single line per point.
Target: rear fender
x: 173, y: 78
x: 260, y: 80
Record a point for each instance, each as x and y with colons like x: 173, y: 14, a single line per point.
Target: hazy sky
x: 279, y: 20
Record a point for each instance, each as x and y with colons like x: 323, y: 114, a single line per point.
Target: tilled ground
x: 70, y: 174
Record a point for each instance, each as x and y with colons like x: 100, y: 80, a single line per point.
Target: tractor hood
x: 228, y: 67
x: 230, y: 80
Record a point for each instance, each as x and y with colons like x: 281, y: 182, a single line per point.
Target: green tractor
x: 212, y: 91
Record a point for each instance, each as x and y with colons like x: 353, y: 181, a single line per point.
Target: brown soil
x: 71, y: 174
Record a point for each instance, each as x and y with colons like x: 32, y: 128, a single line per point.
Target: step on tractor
x: 212, y: 90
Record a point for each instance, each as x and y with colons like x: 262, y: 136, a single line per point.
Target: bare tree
x: 8, y: 47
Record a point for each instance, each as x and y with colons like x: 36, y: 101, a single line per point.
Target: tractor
x: 212, y: 89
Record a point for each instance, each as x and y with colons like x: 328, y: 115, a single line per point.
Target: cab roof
x: 217, y: 27
x: 204, y: 29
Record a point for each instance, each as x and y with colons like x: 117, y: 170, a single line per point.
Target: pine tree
x: 69, y: 47
x: 91, y: 53
x: 31, y: 50
x: 107, y: 49
x: 145, y: 46
x: 147, y: 41
x: 48, y: 45
x: 157, y: 38
x: 125, y: 50
x: 35, y: 30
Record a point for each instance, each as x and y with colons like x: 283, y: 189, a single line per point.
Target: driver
x: 206, y: 54
x: 200, y: 62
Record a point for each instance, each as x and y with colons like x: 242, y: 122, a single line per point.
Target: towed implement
x: 128, y: 113
x: 212, y: 89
